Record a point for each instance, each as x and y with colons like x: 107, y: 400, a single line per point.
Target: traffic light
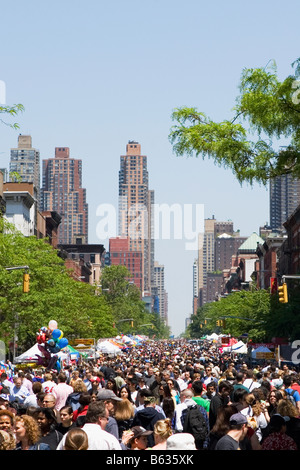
x: 132, y: 324
x: 218, y: 322
x: 25, y: 282
x: 283, y: 293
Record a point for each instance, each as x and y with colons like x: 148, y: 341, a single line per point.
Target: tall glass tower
x: 284, y: 200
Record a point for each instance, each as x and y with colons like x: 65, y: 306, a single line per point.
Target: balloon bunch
x: 50, y: 341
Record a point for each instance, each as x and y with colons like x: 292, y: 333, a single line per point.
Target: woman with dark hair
x: 239, y: 398
x: 273, y: 400
x: 221, y: 426
x: 168, y: 402
x: 79, y: 415
x: 47, y: 422
x: 112, y: 385
x: 125, y: 393
x: 174, y: 393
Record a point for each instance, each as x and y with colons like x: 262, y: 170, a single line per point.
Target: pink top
x: 61, y: 392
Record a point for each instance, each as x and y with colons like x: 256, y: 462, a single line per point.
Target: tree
x: 124, y: 298
x: 53, y: 294
x: 243, y: 311
x: 266, y: 110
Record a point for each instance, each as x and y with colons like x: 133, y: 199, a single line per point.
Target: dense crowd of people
x: 158, y: 396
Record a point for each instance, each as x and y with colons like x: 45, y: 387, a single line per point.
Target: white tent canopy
x: 212, y: 336
x: 239, y: 347
x: 32, y: 355
x: 108, y: 348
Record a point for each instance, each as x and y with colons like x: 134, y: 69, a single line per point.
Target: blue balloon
x: 63, y: 342
x: 56, y: 334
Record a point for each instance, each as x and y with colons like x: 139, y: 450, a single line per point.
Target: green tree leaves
x: 53, y: 293
x: 11, y: 111
x: 248, y: 145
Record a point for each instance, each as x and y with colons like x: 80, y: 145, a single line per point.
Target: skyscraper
x: 25, y: 160
x: 135, y: 209
x: 217, y: 245
x: 284, y: 200
x: 159, y: 279
x: 62, y: 192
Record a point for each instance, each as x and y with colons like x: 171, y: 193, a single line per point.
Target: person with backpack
x: 195, y: 422
x: 191, y: 418
x: 292, y: 395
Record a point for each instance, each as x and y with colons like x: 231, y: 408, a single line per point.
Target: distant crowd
x: 163, y: 395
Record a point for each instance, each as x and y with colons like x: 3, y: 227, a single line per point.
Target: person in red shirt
x: 295, y: 382
x: 80, y: 414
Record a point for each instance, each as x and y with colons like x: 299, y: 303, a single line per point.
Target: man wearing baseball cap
x: 237, y: 433
x: 110, y: 398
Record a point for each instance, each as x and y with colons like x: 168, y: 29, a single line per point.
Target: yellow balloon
x: 61, y: 335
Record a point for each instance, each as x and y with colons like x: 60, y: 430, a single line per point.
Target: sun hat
x: 181, y: 441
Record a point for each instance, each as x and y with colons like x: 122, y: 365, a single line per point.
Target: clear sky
x: 93, y: 75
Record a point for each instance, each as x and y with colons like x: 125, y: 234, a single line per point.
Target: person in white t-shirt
x: 251, y: 381
x: 48, y: 384
x: 96, y: 421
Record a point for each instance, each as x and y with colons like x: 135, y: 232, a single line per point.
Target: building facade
x: 62, y: 192
x: 85, y: 261
x: 284, y: 200
x: 135, y: 209
x: 217, y: 245
x: 121, y: 255
x: 159, y: 279
x: 25, y: 162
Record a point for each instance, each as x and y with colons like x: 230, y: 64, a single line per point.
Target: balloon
x: 40, y: 338
x: 51, y: 342
x: 56, y: 334
x: 52, y: 325
x: 63, y: 342
x: 62, y: 333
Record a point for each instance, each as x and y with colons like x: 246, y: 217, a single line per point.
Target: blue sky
x: 93, y: 75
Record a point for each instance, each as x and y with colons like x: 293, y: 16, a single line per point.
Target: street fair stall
x: 49, y: 350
